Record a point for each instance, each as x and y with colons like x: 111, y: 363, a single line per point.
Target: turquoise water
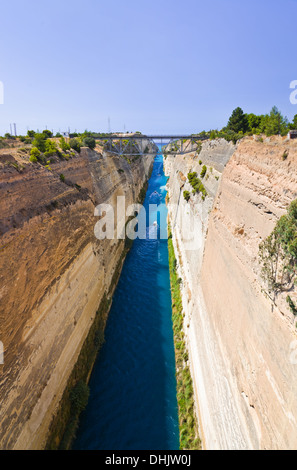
x: 132, y: 404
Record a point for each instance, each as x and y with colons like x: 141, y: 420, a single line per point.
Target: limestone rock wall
x: 241, y: 345
x: 53, y: 275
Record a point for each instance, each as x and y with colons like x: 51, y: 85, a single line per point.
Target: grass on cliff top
x: 188, y: 425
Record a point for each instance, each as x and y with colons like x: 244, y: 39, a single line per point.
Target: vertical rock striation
x: 240, y: 343
x: 53, y: 276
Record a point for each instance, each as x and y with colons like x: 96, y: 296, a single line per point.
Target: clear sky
x: 155, y: 66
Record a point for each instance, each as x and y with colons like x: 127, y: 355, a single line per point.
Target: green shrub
x: 50, y: 148
x: 203, y: 171
x: 292, y: 305
x: 31, y: 133
x: 212, y: 135
x: 39, y: 142
x: 34, y: 154
x: 285, y: 155
x: 9, y: 136
x: 75, y: 144
x: 79, y: 397
x: 196, y: 184
x: 188, y: 425
x: 199, y: 147
x: 47, y: 133
x: 278, y: 255
x: 89, y: 142
x: 64, y: 145
x: 62, y: 177
x: 187, y: 195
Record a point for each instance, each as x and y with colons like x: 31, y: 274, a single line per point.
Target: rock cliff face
x: 241, y: 345
x: 53, y: 276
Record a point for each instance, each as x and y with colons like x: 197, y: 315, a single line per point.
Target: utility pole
x: 109, y: 130
x: 15, y: 132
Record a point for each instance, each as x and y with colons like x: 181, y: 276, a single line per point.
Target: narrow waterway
x: 132, y: 402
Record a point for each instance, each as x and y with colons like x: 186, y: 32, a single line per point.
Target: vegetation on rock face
x: 278, y: 256
x: 64, y: 424
x: 34, y: 155
x: 199, y: 148
x: 39, y: 142
x: 203, y: 171
x: 197, y: 184
x: 50, y: 148
x: 75, y: 144
x: 79, y: 397
x: 64, y: 145
x: 186, y: 195
x: 89, y: 142
x: 188, y: 426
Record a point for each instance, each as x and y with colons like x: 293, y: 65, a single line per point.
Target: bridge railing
x: 139, y: 144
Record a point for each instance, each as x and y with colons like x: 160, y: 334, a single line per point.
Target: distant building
x: 292, y: 134
x: 65, y: 134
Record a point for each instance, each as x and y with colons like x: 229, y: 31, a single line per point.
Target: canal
x: 132, y: 402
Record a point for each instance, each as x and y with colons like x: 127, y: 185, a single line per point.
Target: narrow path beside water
x: 132, y: 403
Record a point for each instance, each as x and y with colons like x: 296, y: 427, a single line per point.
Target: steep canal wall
x: 240, y: 343
x: 54, y: 275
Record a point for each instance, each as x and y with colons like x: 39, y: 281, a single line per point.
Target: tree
x: 9, y: 136
x: 34, y: 155
x: 238, y: 121
x: 50, y: 148
x: 47, y: 133
x: 74, y: 144
x: 293, y: 125
x: 31, y: 134
x: 203, y: 171
x: 278, y: 254
x: 64, y: 145
x: 39, y: 142
x: 254, y: 122
x: 89, y: 142
x: 274, y: 123
x: 186, y: 195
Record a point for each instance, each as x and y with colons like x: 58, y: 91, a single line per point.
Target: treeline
x: 241, y: 124
x: 42, y: 142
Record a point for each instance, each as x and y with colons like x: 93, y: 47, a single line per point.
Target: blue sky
x: 155, y: 66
